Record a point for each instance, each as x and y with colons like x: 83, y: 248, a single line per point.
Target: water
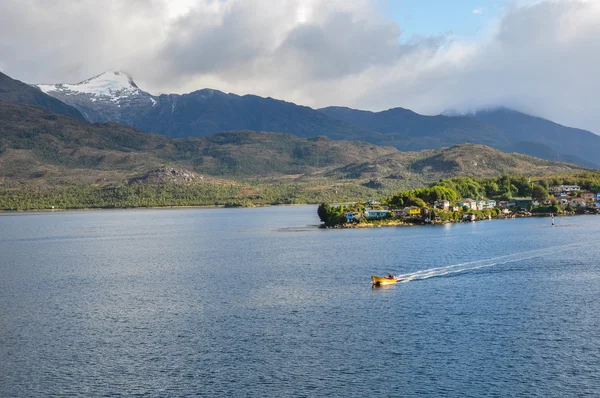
x: 255, y: 302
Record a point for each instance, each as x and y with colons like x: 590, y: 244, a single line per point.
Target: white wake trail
x: 485, y: 263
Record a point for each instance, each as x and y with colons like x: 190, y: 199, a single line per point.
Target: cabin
x: 371, y: 214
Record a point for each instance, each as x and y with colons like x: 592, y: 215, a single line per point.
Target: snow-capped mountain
x: 110, y: 96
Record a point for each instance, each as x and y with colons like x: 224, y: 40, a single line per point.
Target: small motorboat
x: 379, y: 280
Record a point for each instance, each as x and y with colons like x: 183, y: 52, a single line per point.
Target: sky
x: 537, y: 56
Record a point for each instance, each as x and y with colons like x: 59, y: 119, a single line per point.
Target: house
x: 413, y: 211
x: 563, y: 201
x: 455, y: 208
x: 503, y: 204
x: 505, y: 211
x: 598, y: 199
x: 371, y: 214
x: 407, y: 211
x: 549, y: 201
x: 471, y: 204
x: 400, y: 213
x: 486, y: 204
x: 558, y: 189
x: 372, y: 203
x: 442, y: 204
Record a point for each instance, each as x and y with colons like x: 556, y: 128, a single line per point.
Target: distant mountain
x: 536, y: 135
x: 502, y: 128
x: 109, y: 97
x: 114, y: 96
x: 39, y: 146
x: 407, y: 130
x: 12, y: 90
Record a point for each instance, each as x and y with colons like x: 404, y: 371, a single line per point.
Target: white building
x: 558, y: 189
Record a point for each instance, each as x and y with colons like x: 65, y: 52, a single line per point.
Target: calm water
x: 252, y: 302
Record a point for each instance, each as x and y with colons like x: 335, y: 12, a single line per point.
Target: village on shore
x: 561, y: 200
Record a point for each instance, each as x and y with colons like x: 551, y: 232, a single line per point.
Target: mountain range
x: 114, y: 96
x: 40, y: 147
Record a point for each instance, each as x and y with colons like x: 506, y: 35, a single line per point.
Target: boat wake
x: 486, y: 263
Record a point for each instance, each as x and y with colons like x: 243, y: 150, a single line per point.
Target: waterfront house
x: 549, y: 201
x: 503, y: 204
x: 486, y: 204
x: 371, y: 214
x: 400, y: 213
x: 563, y: 201
x: 407, y: 211
x: 598, y: 199
x: 490, y: 204
x: 471, y: 204
x: 442, y: 204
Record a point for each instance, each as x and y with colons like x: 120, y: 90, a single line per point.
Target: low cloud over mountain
x: 539, y: 57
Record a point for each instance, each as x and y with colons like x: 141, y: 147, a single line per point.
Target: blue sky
x: 463, y: 18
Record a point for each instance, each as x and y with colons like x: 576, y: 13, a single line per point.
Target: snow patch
x: 113, y: 84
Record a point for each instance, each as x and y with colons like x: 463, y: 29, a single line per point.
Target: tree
x: 539, y: 193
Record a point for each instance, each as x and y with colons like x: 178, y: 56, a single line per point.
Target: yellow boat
x: 378, y: 280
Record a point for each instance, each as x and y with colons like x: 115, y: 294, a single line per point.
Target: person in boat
x: 389, y: 276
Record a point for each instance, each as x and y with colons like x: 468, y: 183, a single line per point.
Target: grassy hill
x: 42, y: 150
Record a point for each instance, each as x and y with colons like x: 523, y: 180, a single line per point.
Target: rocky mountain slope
x: 15, y: 91
x: 109, y: 97
x: 41, y: 147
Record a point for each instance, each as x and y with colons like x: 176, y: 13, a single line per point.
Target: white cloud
x: 540, y: 57
x: 477, y: 11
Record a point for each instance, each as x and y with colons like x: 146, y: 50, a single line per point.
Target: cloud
x: 477, y: 11
x: 538, y: 57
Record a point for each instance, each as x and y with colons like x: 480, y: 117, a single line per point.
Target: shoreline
x: 398, y: 223
x: 151, y: 208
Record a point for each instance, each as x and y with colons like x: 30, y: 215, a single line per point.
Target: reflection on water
x: 260, y: 302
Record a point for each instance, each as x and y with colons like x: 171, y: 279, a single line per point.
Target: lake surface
x: 256, y: 302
